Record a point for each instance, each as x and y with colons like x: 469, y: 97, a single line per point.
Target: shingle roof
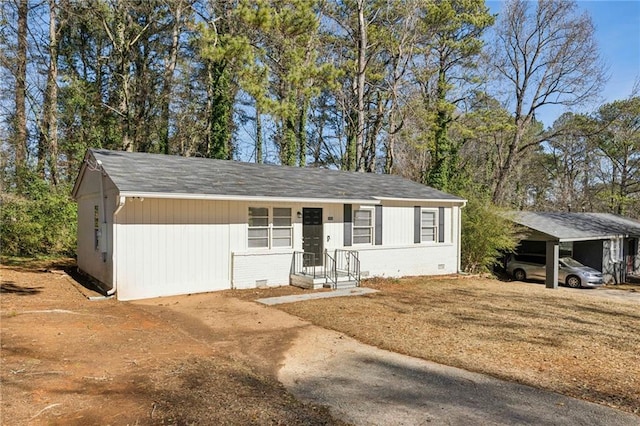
x: 578, y: 226
x: 145, y: 173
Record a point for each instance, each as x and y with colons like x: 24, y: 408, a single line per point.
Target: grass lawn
x: 570, y: 342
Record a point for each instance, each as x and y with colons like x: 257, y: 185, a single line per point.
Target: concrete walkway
x: 357, y: 291
x: 364, y: 385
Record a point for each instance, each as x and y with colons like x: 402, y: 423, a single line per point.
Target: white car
x: 570, y: 271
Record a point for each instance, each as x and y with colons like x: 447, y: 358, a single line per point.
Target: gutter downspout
x: 121, y: 203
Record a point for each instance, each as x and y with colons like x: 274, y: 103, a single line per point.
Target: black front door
x: 312, y: 234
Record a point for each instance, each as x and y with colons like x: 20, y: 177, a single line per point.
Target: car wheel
x: 519, y: 275
x: 573, y: 281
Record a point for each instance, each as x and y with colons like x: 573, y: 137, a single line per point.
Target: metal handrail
x: 330, y: 271
x: 304, y: 263
x: 342, y: 262
x: 348, y: 263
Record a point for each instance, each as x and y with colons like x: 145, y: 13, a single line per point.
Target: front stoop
x: 307, y: 281
x: 311, y: 283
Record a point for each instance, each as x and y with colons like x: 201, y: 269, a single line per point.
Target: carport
x: 606, y: 242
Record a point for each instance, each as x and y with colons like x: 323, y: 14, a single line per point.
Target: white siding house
x: 153, y: 225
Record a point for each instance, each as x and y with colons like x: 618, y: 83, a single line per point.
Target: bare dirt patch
x: 67, y: 360
x: 569, y: 342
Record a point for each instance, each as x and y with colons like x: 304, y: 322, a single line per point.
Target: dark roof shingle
x: 169, y: 174
x: 578, y: 226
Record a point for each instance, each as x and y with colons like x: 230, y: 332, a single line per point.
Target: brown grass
x: 569, y: 342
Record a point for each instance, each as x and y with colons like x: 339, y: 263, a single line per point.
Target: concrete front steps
x: 320, y: 281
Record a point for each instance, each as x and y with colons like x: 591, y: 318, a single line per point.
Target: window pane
x: 362, y: 239
x: 361, y: 231
x: 282, y: 212
x: 258, y: 221
x: 262, y: 242
x: 281, y: 221
x: 258, y: 233
x: 258, y: 212
x: 282, y: 233
x: 428, y: 234
x: 362, y: 218
x: 281, y: 242
x: 428, y: 218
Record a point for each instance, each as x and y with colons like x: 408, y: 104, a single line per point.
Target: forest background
x: 442, y: 92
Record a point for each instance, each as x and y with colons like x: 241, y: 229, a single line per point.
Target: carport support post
x: 553, y: 256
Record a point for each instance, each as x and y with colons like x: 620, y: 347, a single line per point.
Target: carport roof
x: 578, y: 226
x: 172, y: 176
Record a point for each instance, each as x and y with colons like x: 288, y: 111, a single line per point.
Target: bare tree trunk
x: 48, y: 138
x: 21, y: 91
x: 258, y: 135
x: 169, y: 70
x: 122, y: 46
x: 360, y: 83
x: 302, y: 133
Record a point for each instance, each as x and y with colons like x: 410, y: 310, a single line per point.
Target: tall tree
x: 454, y: 31
x: 620, y: 145
x: 547, y: 54
x: 176, y: 13
x: 285, y: 41
x: 569, y: 162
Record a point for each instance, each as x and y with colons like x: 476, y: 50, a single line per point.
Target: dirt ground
x: 67, y: 360
x: 213, y: 358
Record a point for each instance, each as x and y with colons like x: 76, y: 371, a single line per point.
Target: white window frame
x: 279, y: 227
x: 261, y: 227
x: 434, y: 226
x: 371, y: 227
x: 616, y: 250
x: 272, y: 227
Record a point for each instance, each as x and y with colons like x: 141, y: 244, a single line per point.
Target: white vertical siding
x: 91, y: 260
x: 168, y: 247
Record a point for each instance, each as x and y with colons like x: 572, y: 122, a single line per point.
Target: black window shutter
x: 378, y: 225
x: 417, y: 222
x: 347, y: 225
x: 441, y: 224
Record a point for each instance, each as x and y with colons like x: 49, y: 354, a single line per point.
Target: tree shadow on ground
x: 12, y: 287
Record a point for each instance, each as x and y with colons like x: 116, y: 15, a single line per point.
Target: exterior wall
x: 409, y: 260
x: 91, y: 260
x: 167, y: 247
x: 397, y: 256
x: 271, y: 267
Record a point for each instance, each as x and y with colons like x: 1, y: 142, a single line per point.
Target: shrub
x: 486, y: 235
x: 39, y: 221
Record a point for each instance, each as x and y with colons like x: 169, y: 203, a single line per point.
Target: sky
x: 617, y: 25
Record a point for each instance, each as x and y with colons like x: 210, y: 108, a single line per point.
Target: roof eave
x: 223, y: 197
x: 460, y: 201
x: 81, y: 172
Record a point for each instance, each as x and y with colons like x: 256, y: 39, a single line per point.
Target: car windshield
x: 568, y: 261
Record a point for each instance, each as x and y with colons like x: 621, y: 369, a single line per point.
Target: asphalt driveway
x: 365, y: 385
